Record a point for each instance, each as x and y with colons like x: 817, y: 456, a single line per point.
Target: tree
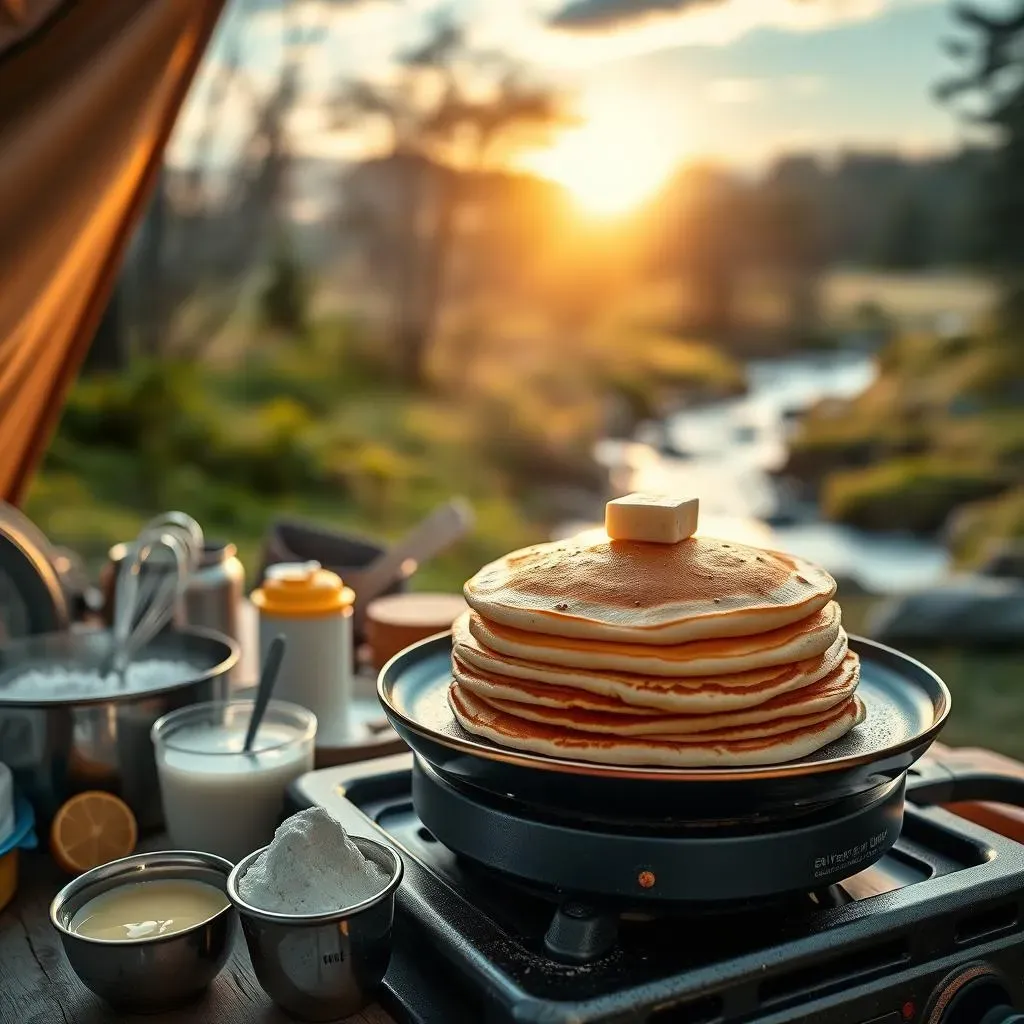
x: 993, y: 58
x: 108, y: 352
x: 707, y: 246
x: 907, y: 241
x: 209, y: 226
x: 284, y: 300
x: 447, y: 114
x: 789, y: 238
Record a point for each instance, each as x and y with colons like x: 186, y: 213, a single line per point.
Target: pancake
x: 478, y: 717
x: 496, y: 688
x: 797, y: 641
x: 605, y: 714
x: 596, y: 589
x: 561, y: 686
x: 748, y: 731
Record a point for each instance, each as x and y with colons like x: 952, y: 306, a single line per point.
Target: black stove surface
x: 472, y: 946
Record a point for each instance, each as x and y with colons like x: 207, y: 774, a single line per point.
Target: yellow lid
x: 302, y: 590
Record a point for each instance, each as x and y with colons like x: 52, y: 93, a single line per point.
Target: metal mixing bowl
x: 155, y: 974
x: 58, y: 746
x: 321, y: 967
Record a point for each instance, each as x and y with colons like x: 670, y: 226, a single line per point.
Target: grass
x: 315, y: 427
x: 912, y: 300
x: 981, y: 525
x: 941, y: 428
x: 988, y: 709
x: 915, y: 494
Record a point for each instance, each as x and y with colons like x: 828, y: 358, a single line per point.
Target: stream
x: 725, y: 453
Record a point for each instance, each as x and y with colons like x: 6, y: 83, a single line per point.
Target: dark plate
x: 906, y: 703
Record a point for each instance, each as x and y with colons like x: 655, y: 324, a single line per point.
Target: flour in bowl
x: 311, y: 867
x: 58, y: 682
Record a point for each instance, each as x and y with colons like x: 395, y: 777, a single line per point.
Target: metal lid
x: 32, y: 599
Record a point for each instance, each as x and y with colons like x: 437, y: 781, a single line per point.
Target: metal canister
x: 213, y: 595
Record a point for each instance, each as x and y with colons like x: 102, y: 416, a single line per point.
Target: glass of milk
x: 216, y: 798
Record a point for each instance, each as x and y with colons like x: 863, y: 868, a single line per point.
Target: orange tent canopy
x: 89, y: 91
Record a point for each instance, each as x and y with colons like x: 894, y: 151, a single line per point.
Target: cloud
x: 574, y: 36
x: 805, y: 85
x: 597, y: 16
x: 736, y: 90
x: 600, y: 15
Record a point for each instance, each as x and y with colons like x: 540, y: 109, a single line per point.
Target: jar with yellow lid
x: 312, y: 608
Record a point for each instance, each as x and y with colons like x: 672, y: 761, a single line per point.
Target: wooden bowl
x: 396, y: 621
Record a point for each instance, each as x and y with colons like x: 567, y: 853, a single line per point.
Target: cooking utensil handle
x: 931, y: 782
x: 442, y: 527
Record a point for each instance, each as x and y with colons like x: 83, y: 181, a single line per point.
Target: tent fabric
x: 89, y: 92
x: 19, y: 19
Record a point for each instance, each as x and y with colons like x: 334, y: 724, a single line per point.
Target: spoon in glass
x: 268, y: 677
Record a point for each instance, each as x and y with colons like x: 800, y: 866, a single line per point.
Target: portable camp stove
x: 931, y: 932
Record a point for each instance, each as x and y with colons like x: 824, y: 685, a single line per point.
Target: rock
x: 850, y: 586
x: 1004, y: 560
x: 567, y: 502
x: 811, y: 464
x: 620, y: 416
x: 967, y: 611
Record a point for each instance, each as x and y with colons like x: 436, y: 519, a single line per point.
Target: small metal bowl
x: 320, y: 967
x: 153, y: 974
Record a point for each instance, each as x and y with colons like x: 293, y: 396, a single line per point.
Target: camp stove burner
x: 930, y: 932
x: 580, y: 932
x: 661, y: 861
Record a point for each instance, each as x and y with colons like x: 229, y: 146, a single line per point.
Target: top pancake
x: 592, y: 588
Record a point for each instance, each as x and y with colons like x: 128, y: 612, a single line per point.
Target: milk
x: 218, y: 799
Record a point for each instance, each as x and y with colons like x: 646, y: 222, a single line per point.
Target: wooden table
x: 37, y: 985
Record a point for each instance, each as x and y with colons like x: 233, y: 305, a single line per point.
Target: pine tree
x: 993, y: 56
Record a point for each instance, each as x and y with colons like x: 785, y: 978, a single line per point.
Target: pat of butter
x: 657, y: 518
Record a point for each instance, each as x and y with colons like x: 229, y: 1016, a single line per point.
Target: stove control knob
x: 976, y: 995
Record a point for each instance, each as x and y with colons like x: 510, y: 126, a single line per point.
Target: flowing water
x: 725, y: 453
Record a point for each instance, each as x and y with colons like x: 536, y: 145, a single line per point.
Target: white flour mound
x: 58, y: 681
x: 311, y: 867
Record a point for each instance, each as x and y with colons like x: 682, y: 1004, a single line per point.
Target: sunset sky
x: 656, y: 81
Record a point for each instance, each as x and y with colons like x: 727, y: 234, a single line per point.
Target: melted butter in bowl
x: 148, y: 933
x: 147, y: 910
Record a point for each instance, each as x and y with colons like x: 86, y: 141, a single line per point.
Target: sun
x: 611, y: 163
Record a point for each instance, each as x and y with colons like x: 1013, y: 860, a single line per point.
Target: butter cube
x: 657, y: 518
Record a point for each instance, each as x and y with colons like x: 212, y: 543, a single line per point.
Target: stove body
x: 930, y: 933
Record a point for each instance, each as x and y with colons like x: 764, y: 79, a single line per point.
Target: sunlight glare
x: 612, y: 162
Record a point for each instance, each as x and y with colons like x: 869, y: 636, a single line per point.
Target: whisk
x: 150, y: 581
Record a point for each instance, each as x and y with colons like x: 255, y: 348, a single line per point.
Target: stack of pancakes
x: 701, y: 653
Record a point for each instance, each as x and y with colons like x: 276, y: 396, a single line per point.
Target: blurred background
x: 765, y: 252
